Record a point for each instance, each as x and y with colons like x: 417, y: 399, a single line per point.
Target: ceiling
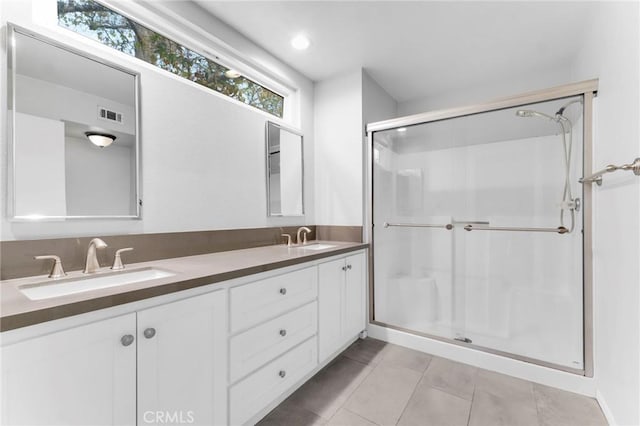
x: 415, y: 49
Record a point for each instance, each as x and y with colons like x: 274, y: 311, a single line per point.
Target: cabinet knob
x: 282, y: 373
x: 344, y: 268
x: 283, y: 291
x: 126, y: 340
x: 149, y: 333
x: 348, y: 266
x: 283, y: 332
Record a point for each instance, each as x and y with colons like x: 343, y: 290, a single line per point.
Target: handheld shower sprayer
x: 531, y: 113
x: 568, y: 203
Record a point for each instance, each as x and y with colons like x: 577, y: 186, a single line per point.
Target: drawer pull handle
x: 283, y: 332
x: 283, y: 291
x: 126, y: 340
x: 149, y: 333
x: 282, y: 373
x: 348, y: 266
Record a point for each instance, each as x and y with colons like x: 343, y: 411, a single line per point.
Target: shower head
x: 532, y: 113
x: 524, y: 113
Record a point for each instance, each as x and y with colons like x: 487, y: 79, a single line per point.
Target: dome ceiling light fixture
x: 100, y: 139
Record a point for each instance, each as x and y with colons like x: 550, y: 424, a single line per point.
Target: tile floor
x: 375, y: 383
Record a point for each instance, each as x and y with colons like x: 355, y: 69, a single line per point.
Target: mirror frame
x: 296, y: 132
x: 12, y: 30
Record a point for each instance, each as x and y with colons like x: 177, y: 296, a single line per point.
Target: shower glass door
x: 477, y: 230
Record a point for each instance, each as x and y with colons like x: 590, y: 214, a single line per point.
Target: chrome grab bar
x: 559, y: 229
x: 597, y: 176
x: 418, y: 225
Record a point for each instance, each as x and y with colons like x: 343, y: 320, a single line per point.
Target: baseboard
x: 520, y: 369
x: 605, y: 409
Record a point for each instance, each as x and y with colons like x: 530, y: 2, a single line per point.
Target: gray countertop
x: 192, y: 271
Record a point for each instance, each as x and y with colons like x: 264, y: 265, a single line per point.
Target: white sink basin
x: 316, y: 246
x: 66, y: 286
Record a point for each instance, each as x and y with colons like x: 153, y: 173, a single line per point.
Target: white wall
x: 611, y: 52
x: 98, y: 180
x: 343, y: 106
x: 40, y: 181
x: 377, y: 104
x: 203, y: 164
x: 540, y: 79
x: 338, y: 142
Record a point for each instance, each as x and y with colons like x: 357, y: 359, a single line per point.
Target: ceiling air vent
x: 109, y: 115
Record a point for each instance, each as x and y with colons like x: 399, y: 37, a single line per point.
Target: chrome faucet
x: 92, y: 264
x: 304, y: 231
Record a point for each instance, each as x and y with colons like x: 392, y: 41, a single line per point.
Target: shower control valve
x: 571, y: 205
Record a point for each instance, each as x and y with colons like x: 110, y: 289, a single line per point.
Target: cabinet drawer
x: 261, y: 344
x: 255, y: 392
x: 261, y: 300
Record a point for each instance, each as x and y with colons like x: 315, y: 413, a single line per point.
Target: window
x: 93, y: 20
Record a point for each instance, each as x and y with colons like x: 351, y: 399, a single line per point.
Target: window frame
x: 203, y: 44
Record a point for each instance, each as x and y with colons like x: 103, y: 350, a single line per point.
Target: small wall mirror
x: 285, y: 171
x: 73, y: 124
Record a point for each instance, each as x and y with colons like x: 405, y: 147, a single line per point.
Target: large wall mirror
x: 73, y: 127
x: 285, y: 171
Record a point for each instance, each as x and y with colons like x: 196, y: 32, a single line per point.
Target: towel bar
x: 418, y: 225
x: 597, y: 176
x: 559, y: 230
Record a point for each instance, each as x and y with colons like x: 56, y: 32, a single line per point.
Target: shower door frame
x: 588, y: 89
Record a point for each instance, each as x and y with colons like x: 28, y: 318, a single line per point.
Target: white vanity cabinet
x: 79, y: 376
x: 273, y: 344
x: 182, y: 356
x: 342, y: 294
x: 87, y: 375
x: 223, y: 355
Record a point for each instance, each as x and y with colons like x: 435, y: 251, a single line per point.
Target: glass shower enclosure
x: 477, y: 227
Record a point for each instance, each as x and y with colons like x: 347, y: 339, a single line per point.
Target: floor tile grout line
x: 356, y: 414
x: 343, y: 405
x: 369, y: 367
x: 535, y: 401
x: 473, y: 397
x: 409, y: 400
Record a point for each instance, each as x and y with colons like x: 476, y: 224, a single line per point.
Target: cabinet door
x: 80, y: 376
x: 331, y: 283
x: 355, y: 295
x: 182, y: 362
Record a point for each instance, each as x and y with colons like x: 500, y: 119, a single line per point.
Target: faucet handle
x: 117, y: 260
x: 288, y: 237
x: 56, y: 270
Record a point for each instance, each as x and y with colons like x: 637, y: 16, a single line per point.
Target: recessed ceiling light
x: 231, y: 74
x: 300, y: 42
x: 402, y: 129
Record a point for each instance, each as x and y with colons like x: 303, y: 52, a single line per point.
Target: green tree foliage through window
x: 119, y: 32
